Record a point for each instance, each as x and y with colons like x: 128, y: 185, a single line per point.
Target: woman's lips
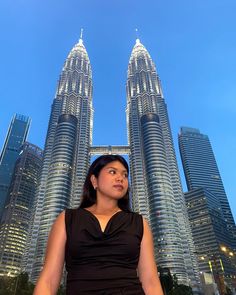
x: 118, y: 186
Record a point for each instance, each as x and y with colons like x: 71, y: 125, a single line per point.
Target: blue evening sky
x: 193, y: 44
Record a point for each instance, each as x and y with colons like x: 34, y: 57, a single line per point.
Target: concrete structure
x: 66, y: 155
x: 156, y: 186
x: 201, y: 170
x: 210, y: 237
x: 16, y: 220
x: 210, y: 216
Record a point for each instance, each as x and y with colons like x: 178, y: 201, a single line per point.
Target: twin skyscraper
x: 156, y: 190
x: 155, y: 180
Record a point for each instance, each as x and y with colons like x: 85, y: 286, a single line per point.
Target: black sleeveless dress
x: 102, y: 263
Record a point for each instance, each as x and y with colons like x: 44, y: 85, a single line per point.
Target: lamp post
x: 216, y: 268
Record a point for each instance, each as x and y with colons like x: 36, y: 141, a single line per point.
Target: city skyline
x: 67, y: 155
x: 194, y: 80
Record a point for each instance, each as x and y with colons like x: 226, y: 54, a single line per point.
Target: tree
x: 19, y: 285
x: 228, y: 291
x: 22, y: 285
x: 170, y: 284
x: 166, y: 279
x: 181, y: 290
x: 61, y: 290
x: 5, y: 286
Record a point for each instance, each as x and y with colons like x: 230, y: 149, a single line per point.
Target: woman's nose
x: 119, y: 177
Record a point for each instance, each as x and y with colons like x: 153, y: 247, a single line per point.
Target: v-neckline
x: 98, y: 222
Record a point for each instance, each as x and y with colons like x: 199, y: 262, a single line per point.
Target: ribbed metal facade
x: 17, y: 215
x: 158, y: 195
x: 163, y: 217
x: 67, y: 146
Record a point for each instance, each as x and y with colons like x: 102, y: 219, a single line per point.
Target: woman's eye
x: 112, y: 172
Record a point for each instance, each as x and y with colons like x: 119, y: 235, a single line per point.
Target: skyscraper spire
x: 81, y: 36
x: 137, y: 35
x: 66, y: 157
x: 156, y: 187
x: 81, y: 33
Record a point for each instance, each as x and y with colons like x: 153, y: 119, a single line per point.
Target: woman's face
x: 112, y: 181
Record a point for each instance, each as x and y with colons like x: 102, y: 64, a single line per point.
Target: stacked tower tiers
x: 156, y: 188
x: 67, y: 150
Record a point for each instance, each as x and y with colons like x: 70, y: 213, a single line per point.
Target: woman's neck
x: 108, y: 208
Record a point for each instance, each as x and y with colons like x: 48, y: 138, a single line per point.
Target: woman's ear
x: 93, y: 180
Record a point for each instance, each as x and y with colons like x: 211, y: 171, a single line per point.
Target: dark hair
x: 89, y: 196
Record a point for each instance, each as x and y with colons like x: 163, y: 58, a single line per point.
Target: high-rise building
x: 201, y: 171
x: 66, y: 155
x: 210, y: 236
x: 16, y: 136
x: 156, y: 186
x: 17, y: 215
x: 210, y: 216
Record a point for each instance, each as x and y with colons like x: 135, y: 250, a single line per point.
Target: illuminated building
x: 210, y: 216
x: 156, y: 186
x: 16, y: 136
x: 17, y: 215
x: 201, y: 171
x: 212, y: 242
x: 66, y: 155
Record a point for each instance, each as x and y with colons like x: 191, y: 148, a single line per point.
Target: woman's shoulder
x: 71, y: 214
x: 72, y: 210
x: 141, y: 218
x: 137, y: 214
x: 136, y: 222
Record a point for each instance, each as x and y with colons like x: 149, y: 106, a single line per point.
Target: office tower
x: 200, y: 169
x: 17, y: 215
x: 16, y: 135
x: 156, y: 186
x: 210, y: 236
x: 66, y: 155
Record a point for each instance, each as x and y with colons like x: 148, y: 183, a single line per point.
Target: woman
x: 107, y: 248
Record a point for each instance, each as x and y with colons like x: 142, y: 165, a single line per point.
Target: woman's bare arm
x: 50, y: 276
x: 147, y: 268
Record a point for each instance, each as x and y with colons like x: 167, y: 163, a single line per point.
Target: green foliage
x: 175, y: 281
x: 19, y: 285
x: 61, y: 290
x: 228, y: 291
x: 170, y: 284
x: 166, y: 279
x: 5, y: 285
x: 181, y: 290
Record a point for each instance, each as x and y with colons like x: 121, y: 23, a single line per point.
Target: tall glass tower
x: 211, y: 238
x: 201, y: 171
x: 17, y: 215
x: 66, y: 156
x: 16, y: 136
x: 156, y: 186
